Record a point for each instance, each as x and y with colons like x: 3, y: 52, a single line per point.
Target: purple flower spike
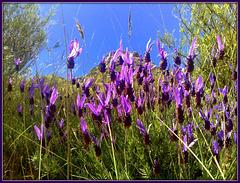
x: 61, y: 123
x: 147, y: 53
x: 22, y: 86
x: 17, y: 62
x: 74, y: 52
x: 80, y: 104
x: 185, y: 149
x: 191, y: 56
x: 220, y: 47
x: 9, y: 84
x: 140, y: 126
x: 234, y: 73
x: 20, y: 109
x: 86, y: 136
x: 97, y: 147
x: 54, y: 96
x: 40, y: 134
x: 177, y: 59
x: 224, y: 92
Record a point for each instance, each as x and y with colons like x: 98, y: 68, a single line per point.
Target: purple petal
x: 94, y: 139
x: 83, y: 126
x: 61, y: 123
x: 54, y: 96
x: 38, y: 132
x: 192, y: 143
x: 92, y: 108
x: 219, y: 43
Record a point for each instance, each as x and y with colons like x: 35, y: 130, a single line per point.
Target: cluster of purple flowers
x: 121, y: 95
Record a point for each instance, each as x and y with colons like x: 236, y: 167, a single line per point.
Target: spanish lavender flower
x: 156, y: 166
x: 9, y: 84
x: 214, y: 60
x: 185, y: 149
x: 235, y: 137
x: 140, y: 126
x: 228, y: 140
x: 163, y: 54
x: 147, y: 53
x: 17, y: 62
x: 206, y: 118
x: 177, y: 59
x: 119, y: 109
x: 173, y: 137
x: 80, y: 105
x: 96, y: 113
x: 31, y: 109
x: 234, y: 72
x: 53, y: 98
x: 228, y: 124
x: 179, y: 109
x: 20, y: 109
x: 31, y: 92
x: 165, y: 93
x: 127, y: 109
x: 104, y: 101
x: 85, y: 87
x: 220, y: 47
x: 224, y: 92
x: 199, y: 92
x: 190, y: 131
x: 22, y: 85
x: 86, y: 136
x: 97, y: 147
x: 191, y: 56
x: 74, y: 52
x: 41, y: 135
x: 216, y: 149
x: 212, y: 80
x: 102, y: 65
x: 214, y: 128
x: 78, y: 84
x: 214, y: 100
x: 220, y: 137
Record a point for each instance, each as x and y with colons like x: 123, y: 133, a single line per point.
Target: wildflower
x: 53, y: 98
x: 140, y: 126
x: 199, y: 91
x: 206, y: 118
x: 74, y: 52
x: 78, y: 83
x: 9, y: 84
x: 97, y: 147
x: 179, y: 108
x: 234, y: 72
x: 220, y: 47
x: 235, y: 137
x: 96, y: 113
x: 173, y: 137
x: 185, y: 149
x: 86, y: 136
x: 147, y: 53
x: 224, y: 92
x: 191, y: 56
x: 214, y: 60
x: 80, y: 105
x: 163, y: 54
x: 85, y: 87
x: 31, y: 92
x: 17, y: 62
x: 177, y: 59
x: 20, y: 109
x: 214, y: 128
x: 212, y: 80
x: 102, y: 65
x: 156, y: 166
x: 127, y: 109
x: 216, y: 149
x: 41, y: 134
x: 229, y: 124
x: 22, y: 85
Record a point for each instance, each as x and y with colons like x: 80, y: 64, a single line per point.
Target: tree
x: 207, y: 20
x: 24, y: 34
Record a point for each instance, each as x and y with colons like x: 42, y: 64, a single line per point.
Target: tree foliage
x: 24, y: 34
x: 207, y: 20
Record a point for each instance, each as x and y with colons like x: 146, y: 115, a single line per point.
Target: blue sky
x: 104, y: 25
